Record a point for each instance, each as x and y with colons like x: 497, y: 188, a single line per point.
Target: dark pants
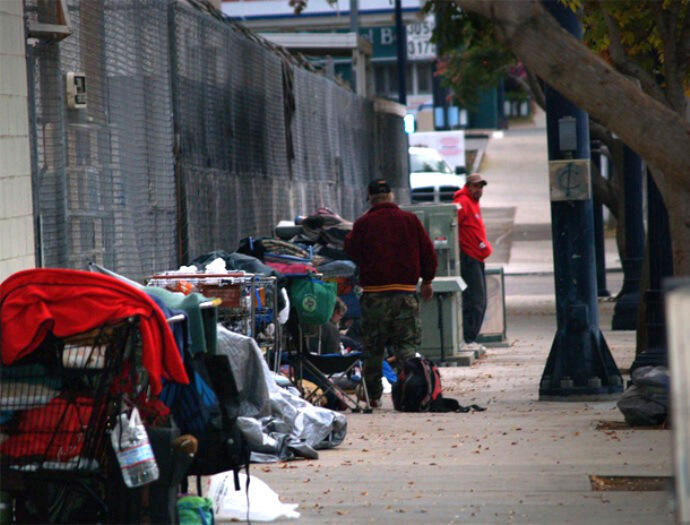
x: 388, y: 320
x: 473, y: 298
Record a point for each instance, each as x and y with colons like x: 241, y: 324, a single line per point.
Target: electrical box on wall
x: 75, y: 90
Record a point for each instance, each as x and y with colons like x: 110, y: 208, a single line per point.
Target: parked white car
x: 431, y: 179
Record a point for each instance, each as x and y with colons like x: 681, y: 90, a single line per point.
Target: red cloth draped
x: 69, y: 302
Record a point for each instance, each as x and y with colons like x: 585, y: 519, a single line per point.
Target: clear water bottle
x: 133, y: 450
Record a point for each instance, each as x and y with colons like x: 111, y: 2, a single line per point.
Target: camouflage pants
x: 388, y: 320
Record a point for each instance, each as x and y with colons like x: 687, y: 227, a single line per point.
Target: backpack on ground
x: 418, y: 389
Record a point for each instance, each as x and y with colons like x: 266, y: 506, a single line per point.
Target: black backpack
x: 418, y: 389
x: 222, y: 447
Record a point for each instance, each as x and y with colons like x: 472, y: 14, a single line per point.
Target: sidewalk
x: 515, y: 163
x: 520, y: 461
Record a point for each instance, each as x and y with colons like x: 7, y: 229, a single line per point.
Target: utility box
x: 441, y: 317
x: 441, y: 223
x: 441, y: 320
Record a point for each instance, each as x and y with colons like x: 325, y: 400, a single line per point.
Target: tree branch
x: 536, y: 89
x: 666, y: 21
x: 624, y: 64
x: 604, y: 192
x: 652, y: 129
x: 684, y: 47
x: 600, y: 133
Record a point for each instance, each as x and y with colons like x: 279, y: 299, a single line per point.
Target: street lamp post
x: 580, y: 365
x: 625, y: 312
x: 660, y: 267
x: 401, y: 48
x: 599, y: 244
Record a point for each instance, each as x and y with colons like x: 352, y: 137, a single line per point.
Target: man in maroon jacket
x: 474, y: 248
x: 393, y: 251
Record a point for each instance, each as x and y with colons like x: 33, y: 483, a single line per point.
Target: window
x: 427, y: 160
x: 423, y: 78
x: 417, y: 79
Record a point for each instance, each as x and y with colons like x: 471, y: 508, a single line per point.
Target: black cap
x: 379, y: 186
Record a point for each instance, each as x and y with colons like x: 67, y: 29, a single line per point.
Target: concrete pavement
x: 520, y: 461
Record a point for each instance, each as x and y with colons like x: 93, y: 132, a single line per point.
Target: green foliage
x: 470, y: 57
x: 640, y: 34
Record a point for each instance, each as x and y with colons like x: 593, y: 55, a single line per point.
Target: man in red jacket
x: 474, y: 248
x: 393, y: 251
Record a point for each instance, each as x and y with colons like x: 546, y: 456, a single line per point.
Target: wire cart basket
x: 57, y: 406
x: 249, y: 302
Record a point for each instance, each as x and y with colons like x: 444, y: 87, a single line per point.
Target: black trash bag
x: 646, y: 401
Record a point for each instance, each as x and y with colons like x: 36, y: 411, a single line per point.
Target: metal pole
x: 625, y: 312
x: 660, y: 267
x: 354, y: 16
x: 580, y: 365
x: 356, y: 56
x: 401, y: 47
x: 599, y: 228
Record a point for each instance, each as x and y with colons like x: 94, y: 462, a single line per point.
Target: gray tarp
x: 277, y: 423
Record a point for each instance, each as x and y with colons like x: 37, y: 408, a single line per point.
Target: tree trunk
x: 677, y: 200
x: 654, y: 131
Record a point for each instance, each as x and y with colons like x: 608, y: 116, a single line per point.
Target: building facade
x: 16, y: 204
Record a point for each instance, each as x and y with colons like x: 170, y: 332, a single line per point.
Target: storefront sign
x: 419, y: 46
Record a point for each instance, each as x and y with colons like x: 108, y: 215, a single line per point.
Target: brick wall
x: 16, y: 215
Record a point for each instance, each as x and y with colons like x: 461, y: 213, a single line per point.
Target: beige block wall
x: 16, y: 210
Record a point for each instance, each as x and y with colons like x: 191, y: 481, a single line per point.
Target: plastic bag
x: 133, y: 450
x: 285, y: 312
x: 231, y: 505
x: 195, y: 510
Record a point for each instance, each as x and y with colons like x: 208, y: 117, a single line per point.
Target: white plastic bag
x: 217, y: 265
x: 285, y: 312
x: 231, y: 505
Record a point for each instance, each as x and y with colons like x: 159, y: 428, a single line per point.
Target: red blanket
x: 69, y: 302
x: 52, y: 432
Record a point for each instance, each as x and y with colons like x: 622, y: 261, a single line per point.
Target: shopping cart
x: 57, y: 407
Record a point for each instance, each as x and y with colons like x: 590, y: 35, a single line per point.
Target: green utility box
x: 441, y: 223
x: 442, y: 316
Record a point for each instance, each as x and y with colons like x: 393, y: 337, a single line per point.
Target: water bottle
x: 133, y: 450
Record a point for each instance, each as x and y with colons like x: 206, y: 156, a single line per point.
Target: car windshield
x: 431, y: 160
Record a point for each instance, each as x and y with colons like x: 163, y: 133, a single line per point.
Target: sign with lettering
x: 570, y: 180
x: 419, y: 46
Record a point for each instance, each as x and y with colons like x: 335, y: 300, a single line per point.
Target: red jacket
x: 70, y: 302
x: 471, y: 228
x: 391, y: 248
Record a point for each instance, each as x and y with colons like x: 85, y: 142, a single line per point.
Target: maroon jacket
x: 391, y: 248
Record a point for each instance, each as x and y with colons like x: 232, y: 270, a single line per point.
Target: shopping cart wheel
x: 356, y: 409
x: 368, y: 410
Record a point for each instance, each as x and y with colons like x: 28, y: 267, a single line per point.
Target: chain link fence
x: 196, y: 134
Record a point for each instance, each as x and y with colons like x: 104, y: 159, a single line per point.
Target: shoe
x: 473, y: 347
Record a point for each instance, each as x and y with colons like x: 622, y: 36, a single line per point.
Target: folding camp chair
x: 322, y: 368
